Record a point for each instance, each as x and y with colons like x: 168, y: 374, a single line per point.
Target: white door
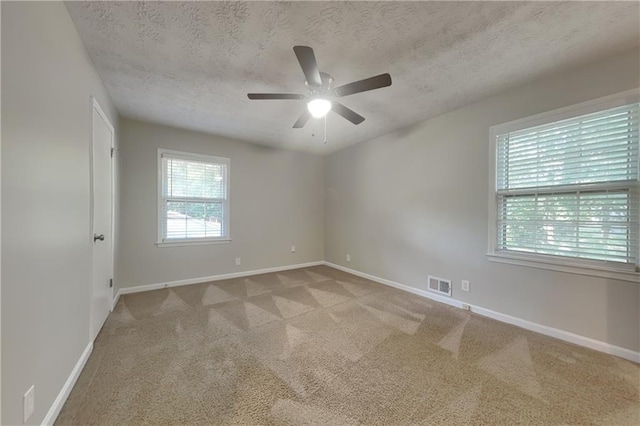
x: 102, y: 203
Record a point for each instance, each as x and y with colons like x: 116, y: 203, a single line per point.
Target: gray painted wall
x: 403, y: 205
x: 415, y: 202
x: 47, y: 80
x: 276, y: 200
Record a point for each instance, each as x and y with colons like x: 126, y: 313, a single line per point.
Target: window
x: 565, y: 186
x: 193, y: 203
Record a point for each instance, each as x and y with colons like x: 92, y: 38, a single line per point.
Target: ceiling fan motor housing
x: 323, y: 91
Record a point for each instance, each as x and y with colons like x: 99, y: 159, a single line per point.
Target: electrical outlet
x: 466, y: 307
x: 29, y: 401
x: 293, y: 249
x: 238, y: 261
x: 465, y: 285
x: 348, y: 258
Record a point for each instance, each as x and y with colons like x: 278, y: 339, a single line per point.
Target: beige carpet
x: 319, y: 346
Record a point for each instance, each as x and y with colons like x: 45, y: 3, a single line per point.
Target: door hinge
x: 110, y: 282
x: 113, y: 150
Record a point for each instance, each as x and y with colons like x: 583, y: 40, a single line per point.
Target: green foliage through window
x: 570, y: 188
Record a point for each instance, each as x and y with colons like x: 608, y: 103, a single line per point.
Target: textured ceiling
x: 190, y: 64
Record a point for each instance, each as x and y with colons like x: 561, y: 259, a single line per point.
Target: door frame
x: 95, y: 106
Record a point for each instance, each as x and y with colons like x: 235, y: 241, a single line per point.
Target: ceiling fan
x: 320, y: 99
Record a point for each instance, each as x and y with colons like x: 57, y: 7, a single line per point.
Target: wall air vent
x: 439, y: 285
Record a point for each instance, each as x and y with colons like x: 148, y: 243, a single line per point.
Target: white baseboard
x: 55, y: 408
x: 51, y: 416
x: 157, y: 286
x: 528, y: 325
x: 419, y: 292
x: 114, y: 302
x: 577, y: 339
x: 561, y: 334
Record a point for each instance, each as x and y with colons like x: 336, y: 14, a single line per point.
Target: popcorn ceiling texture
x: 190, y: 64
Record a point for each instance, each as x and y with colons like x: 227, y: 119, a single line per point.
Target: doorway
x: 102, y: 206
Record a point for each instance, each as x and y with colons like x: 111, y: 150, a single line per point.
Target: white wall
x: 415, y: 202
x: 47, y: 80
x: 276, y: 200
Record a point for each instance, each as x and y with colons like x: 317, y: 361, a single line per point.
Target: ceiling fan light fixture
x: 320, y: 86
x: 319, y: 107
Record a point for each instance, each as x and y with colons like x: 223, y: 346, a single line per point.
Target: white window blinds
x: 569, y: 188
x: 194, y: 197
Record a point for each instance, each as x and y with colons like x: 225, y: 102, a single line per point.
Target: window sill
x: 192, y: 243
x: 561, y: 265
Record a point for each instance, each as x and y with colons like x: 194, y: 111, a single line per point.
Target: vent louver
x: 439, y: 285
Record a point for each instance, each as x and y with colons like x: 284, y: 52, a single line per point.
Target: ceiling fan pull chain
x: 325, y: 129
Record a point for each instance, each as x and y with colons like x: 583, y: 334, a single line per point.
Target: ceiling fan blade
x: 255, y: 96
x: 309, y: 65
x: 347, y: 113
x: 371, y: 83
x: 306, y: 115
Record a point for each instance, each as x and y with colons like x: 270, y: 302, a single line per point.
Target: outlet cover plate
x: 465, y: 285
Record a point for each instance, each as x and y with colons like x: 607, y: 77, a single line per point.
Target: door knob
x: 98, y: 237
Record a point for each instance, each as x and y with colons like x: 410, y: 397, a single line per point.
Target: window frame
x: 603, y: 269
x: 161, y: 241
